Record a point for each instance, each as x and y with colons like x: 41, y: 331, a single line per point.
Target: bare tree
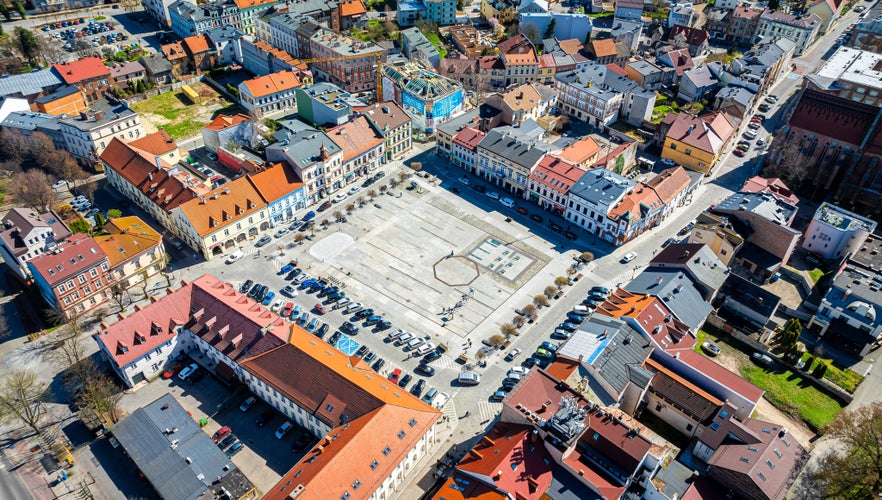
x: 32, y: 188
x: 561, y: 282
x: 102, y: 395
x: 70, y: 354
x: 13, y: 145
x: 497, y: 340
x: 508, y: 329
x: 120, y: 295
x: 550, y: 291
x: 530, y: 310
x: 586, y: 256
x: 518, y: 321
x: 540, y: 300
x: 786, y: 161
x: 349, y: 208
x: 50, y: 49
x: 22, y: 397
x: 372, y: 193
x: 88, y: 190
x: 42, y: 150
x: 299, y: 237
x: 4, y: 327
x: 852, y: 468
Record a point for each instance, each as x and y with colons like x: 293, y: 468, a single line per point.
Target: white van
x: 468, y: 378
x: 283, y: 429
x: 507, y: 202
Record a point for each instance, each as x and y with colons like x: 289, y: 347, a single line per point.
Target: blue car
x: 309, y: 216
x: 373, y: 320
x: 308, y: 283
x: 549, y: 346
x: 318, y: 286
x: 287, y: 268
x: 269, y: 298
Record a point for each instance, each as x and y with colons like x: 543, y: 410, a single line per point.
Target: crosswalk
x: 488, y: 410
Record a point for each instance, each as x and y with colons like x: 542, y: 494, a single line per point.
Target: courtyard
x: 175, y: 113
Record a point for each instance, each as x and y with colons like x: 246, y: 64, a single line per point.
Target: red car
x: 172, y: 370
x: 522, y: 210
x: 393, y: 377
x: 320, y: 309
x: 221, y: 433
x: 739, y: 153
x: 287, y: 310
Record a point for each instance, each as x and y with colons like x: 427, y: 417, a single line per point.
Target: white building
x: 26, y: 234
x: 802, y: 30
x: 87, y: 134
x: 590, y: 200
x: 835, y: 233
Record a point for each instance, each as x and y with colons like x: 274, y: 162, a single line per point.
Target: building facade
x: 74, y: 278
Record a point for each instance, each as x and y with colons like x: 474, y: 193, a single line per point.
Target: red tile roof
x: 835, y: 117
x: 514, y: 458
x: 774, y: 186
x: 518, y: 44
x: 604, y: 48
x: 571, y: 46
x: 273, y: 83
x: 385, y: 114
x: 355, y: 137
x: 231, y: 323
x: 85, y: 69
x: 557, y: 174
x: 158, y: 143
x: 246, y: 4
x: 669, y: 183
x: 681, y: 60
x: 147, y: 328
x: 173, y: 51
x: 581, y: 151
x: 615, y: 68
x: 140, y: 170
x: 491, y: 62
x: 464, y: 487
x: 469, y: 138
x: 76, y: 255
x: 222, y: 206
x: 693, y: 36
x: 635, y: 204
x: 721, y: 375
x: 707, y: 133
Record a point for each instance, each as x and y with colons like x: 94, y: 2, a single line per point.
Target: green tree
x: 80, y: 225
x: 789, y: 336
x: 4, y: 10
x: 20, y: 9
x: 28, y: 44
x: 852, y: 468
x: 459, y: 5
x: 99, y: 219
x: 549, y: 31
x: 114, y: 213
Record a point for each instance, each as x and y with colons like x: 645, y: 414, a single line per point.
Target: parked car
x: 227, y: 441
x: 440, y: 400
x: 710, y: 348
x: 288, y: 291
x: 373, y: 320
x: 432, y: 356
x: 512, y: 354
x: 468, y: 378
x: 418, y: 388
x: 498, y: 396
x: 405, y: 379
x: 762, y: 359
x: 629, y: 257
x: 263, y: 241
x: 247, y: 404
x: 322, y: 330
x: 424, y: 369
x: 348, y: 328
x: 186, y: 372
x: 283, y: 429
x: 320, y: 309
x: 394, y: 376
x: 221, y: 433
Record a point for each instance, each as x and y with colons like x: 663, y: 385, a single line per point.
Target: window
x: 329, y: 408
x: 401, y: 434
x: 715, y: 426
x: 81, y: 278
x: 387, y: 451
x: 93, y: 272
x: 724, y: 414
x: 374, y: 464
x: 61, y: 288
x: 770, y: 464
x: 761, y: 475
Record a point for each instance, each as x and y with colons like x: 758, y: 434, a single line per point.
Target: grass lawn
x: 792, y: 394
x: 659, y: 112
x: 186, y: 128
x: 845, y: 378
x: 167, y: 105
x: 816, y: 274
x: 2, y: 190
x: 436, y: 41
x: 601, y: 14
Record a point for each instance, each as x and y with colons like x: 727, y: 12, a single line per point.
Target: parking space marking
x: 346, y: 345
x: 444, y: 361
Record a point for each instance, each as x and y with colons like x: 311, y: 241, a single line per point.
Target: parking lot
x: 439, y: 261
x: 82, y: 33
x: 263, y: 458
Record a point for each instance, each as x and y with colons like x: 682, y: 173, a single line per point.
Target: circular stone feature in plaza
x: 331, y: 245
x: 455, y: 271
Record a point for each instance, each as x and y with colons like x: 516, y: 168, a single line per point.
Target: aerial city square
x: 440, y: 249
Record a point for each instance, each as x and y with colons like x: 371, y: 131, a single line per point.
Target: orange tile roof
x: 273, y: 83
x: 279, y: 53
x: 223, y: 206
x: 632, y: 204
x: 352, y: 8
x: 127, y: 238
x: 223, y: 122
x: 246, y: 4
x: 520, y: 59
x: 524, y: 97
x: 87, y: 68
x: 669, y: 183
x: 462, y: 487
x: 580, y: 151
x: 355, y: 137
x: 547, y: 61
x: 158, y: 143
x: 379, y: 414
x: 275, y: 182
x: 571, y: 46
x: 623, y: 304
x: 604, y: 48
x: 517, y: 464
x: 174, y: 50
x: 197, y: 43
x: 147, y: 328
x: 139, y: 169
x: 563, y: 368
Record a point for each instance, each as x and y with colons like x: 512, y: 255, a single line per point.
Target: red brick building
x: 75, y: 278
x: 89, y: 74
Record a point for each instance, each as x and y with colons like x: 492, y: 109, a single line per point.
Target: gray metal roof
x: 224, y: 34
x: 676, y: 291
x: 611, y: 346
x: 29, y: 83
x: 766, y: 205
x: 737, y: 94
x: 673, y: 480
x: 457, y: 123
x: 744, y: 292
x: 180, y: 465
x: 111, y: 112
x: 565, y: 486
x: 155, y: 63
x: 301, y: 147
x: 522, y: 150
x: 701, y: 76
x: 26, y: 120
x: 601, y: 187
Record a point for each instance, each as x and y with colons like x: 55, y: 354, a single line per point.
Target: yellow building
x: 134, y: 250
x: 696, y: 142
x: 504, y: 12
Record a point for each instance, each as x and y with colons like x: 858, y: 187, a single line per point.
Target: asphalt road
x: 11, y: 485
